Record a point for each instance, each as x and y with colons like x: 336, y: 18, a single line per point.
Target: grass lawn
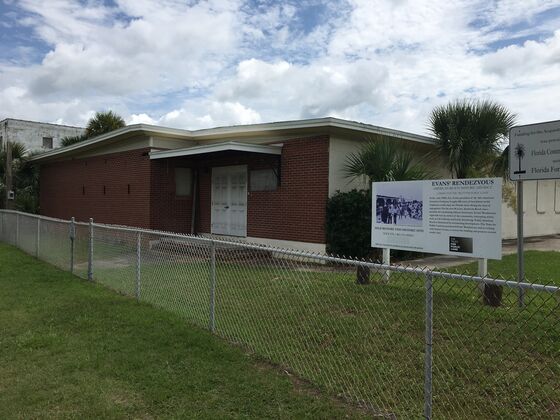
x: 366, y: 343
x: 71, y: 349
x: 541, y: 267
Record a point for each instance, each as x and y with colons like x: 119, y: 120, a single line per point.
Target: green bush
x: 348, y: 228
x: 348, y: 224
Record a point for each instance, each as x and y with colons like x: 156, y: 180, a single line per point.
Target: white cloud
x: 305, y: 91
x: 220, y: 62
x: 140, y: 119
x: 526, y: 60
x: 197, y: 114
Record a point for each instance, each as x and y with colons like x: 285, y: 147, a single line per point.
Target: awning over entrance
x: 218, y: 147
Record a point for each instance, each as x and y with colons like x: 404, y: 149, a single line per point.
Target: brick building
x: 268, y: 183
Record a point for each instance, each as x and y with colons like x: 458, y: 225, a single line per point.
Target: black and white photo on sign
x: 399, y: 203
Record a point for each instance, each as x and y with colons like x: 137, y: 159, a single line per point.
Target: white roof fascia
x: 218, y: 147
x: 239, y: 130
x: 311, y: 123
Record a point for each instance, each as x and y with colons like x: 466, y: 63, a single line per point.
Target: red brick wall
x: 63, y: 184
x: 169, y: 212
x: 295, y: 211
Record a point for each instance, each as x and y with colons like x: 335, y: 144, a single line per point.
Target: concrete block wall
x: 31, y: 133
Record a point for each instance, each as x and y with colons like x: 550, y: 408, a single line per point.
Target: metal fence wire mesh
x: 411, y: 343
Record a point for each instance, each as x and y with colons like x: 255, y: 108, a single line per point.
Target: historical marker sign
x: 446, y: 216
x: 534, y: 151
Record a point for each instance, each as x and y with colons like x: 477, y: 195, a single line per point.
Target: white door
x: 229, y: 200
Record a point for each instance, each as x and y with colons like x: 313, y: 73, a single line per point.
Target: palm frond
x: 470, y: 134
x: 382, y: 159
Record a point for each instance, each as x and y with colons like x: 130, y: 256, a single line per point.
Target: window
x: 264, y: 180
x: 183, y: 182
x: 47, y: 142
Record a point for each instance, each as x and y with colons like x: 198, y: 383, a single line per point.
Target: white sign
x: 534, y: 151
x: 446, y: 216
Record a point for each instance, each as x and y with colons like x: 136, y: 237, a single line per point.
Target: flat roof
x: 218, y: 147
x: 42, y: 123
x: 251, y: 130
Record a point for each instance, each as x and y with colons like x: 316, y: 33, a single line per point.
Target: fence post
x: 17, y: 230
x: 428, y: 347
x: 386, y: 261
x: 138, y: 263
x: 90, y: 252
x: 38, y: 242
x: 212, y: 286
x: 72, y: 238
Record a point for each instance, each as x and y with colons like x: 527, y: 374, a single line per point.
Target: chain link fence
x: 410, y: 343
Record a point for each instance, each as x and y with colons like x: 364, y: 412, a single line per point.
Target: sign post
x: 520, y: 241
x: 534, y: 153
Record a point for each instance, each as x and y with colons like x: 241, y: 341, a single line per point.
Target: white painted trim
x: 265, y: 129
x: 218, y: 147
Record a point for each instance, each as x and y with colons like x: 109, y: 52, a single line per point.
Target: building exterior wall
x: 31, y: 133
x: 341, y: 148
x: 295, y: 211
x: 541, y: 206
x: 113, y: 188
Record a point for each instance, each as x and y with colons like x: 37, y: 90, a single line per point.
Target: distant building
x: 36, y: 135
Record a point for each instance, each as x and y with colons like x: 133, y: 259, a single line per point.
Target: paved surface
x: 540, y: 243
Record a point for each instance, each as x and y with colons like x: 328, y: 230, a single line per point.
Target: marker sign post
x: 534, y: 153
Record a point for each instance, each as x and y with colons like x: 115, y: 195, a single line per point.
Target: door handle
x: 226, y: 207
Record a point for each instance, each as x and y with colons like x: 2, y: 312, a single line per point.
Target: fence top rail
x: 314, y: 256
x: 35, y: 216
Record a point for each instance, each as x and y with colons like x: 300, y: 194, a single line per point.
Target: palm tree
x: 103, y: 122
x: 100, y: 123
x: 382, y: 159
x: 17, y: 161
x: 69, y: 140
x: 469, y: 134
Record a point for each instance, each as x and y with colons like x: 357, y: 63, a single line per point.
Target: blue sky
x: 194, y: 64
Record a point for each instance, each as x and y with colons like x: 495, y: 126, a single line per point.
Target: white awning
x: 218, y: 147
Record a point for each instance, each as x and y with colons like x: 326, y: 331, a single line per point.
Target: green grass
x: 366, y: 343
x: 540, y: 267
x: 70, y: 349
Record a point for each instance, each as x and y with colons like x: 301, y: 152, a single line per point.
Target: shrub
x: 348, y: 224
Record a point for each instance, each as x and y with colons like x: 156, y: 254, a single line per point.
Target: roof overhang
x: 279, y: 129
x: 218, y: 147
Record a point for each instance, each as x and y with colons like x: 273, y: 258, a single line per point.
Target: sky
x: 197, y: 64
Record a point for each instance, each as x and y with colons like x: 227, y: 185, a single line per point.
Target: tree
x: 469, y: 134
x: 103, y: 122
x: 382, y: 159
x: 100, y: 123
x: 25, y: 177
x: 379, y: 159
x: 68, y: 141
